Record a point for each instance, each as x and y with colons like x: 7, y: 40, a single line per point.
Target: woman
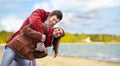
x: 23, y: 46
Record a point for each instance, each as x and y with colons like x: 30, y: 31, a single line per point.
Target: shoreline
x: 3, y: 44
x: 91, y: 59
x: 92, y: 43
x: 72, y: 61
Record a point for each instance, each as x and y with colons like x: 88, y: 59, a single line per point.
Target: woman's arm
x: 37, y: 18
x: 56, y: 46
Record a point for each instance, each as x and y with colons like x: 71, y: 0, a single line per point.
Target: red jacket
x: 35, y: 20
x: 48, y: 40
x: 24, y: 44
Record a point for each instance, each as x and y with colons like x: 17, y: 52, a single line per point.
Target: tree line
x: 4, y: 35
x: 73, y: 38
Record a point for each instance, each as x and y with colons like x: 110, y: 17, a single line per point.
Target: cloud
x: 44, y: 5
x: 79, y: 15
x: 76, y: 5
x: 84, y: 18
x: 68, y: 17
x: 96, y: 4
x: 7, y: 4
x: 117, y: 20
x: 73, y: 8
x: 10, y: 23
x: 84, y: 5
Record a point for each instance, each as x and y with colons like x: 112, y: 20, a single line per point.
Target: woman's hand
x: 55, y: 54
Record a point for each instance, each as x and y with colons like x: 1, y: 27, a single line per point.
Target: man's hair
x: 58, y: 13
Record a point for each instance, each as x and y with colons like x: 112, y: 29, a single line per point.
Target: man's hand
x: 46, y: 51
x: 40, y: 46
x: 43, y: 38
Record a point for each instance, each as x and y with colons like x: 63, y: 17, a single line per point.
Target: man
x: 38, y: 16
x: 36, y: 19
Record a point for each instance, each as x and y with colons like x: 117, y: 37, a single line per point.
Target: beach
x: 70, y: 61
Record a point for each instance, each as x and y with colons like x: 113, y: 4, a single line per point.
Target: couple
x: 25, y: 45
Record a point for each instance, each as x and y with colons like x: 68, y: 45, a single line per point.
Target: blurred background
x: 85, y: 22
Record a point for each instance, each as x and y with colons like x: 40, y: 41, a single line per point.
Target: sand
x: 70, y: 61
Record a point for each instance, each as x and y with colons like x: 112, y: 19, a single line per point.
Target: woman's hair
x: 58, y: 13
x: 57, y: 40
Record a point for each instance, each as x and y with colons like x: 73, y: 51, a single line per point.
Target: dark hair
x: 58, y: 13
x: 57, y: 40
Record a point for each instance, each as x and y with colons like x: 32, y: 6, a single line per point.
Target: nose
x: 54, y: 23
x: 58, y: 33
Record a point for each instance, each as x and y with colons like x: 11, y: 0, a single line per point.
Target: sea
x: 102, y: 52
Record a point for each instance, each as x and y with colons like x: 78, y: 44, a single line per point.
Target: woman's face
x: 57, y: 32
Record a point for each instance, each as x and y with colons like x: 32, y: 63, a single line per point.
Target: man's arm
x: 37, y: 18
x: 43, y: 54
x: 29, y: 32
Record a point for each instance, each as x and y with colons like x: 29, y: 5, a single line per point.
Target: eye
x: 54, y: 19
x: 58, y: 29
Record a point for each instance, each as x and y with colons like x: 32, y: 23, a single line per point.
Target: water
x: 104, y: 52
x: 1, y: 47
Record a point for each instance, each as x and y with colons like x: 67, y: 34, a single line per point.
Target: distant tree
x: 83, y: 37
x: 72, y: 38
x: 4, y: 35
x: 69, y: 38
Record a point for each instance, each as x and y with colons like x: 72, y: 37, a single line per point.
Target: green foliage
x: 83, y: 37
x: 4, y: 35
x: 72, y: 38
x: 93, y: 37
x: 69, y: 38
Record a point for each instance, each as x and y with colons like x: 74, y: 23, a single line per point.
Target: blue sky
x: 80, y: 16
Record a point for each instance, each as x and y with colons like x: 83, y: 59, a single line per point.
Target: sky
x: 79, y: 16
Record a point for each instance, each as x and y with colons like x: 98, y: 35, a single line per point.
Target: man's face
x: 53, y: 20
x: 57, y: 32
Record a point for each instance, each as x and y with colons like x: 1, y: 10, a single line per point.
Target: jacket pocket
x: 27, y: 52
x: 17, y: 44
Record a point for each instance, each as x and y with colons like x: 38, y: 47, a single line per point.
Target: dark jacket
x: 25, y: 43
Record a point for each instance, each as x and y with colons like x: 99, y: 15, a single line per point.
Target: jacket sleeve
x: 29, y: 32
x: 38, y: 54
x: 36, y: 19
